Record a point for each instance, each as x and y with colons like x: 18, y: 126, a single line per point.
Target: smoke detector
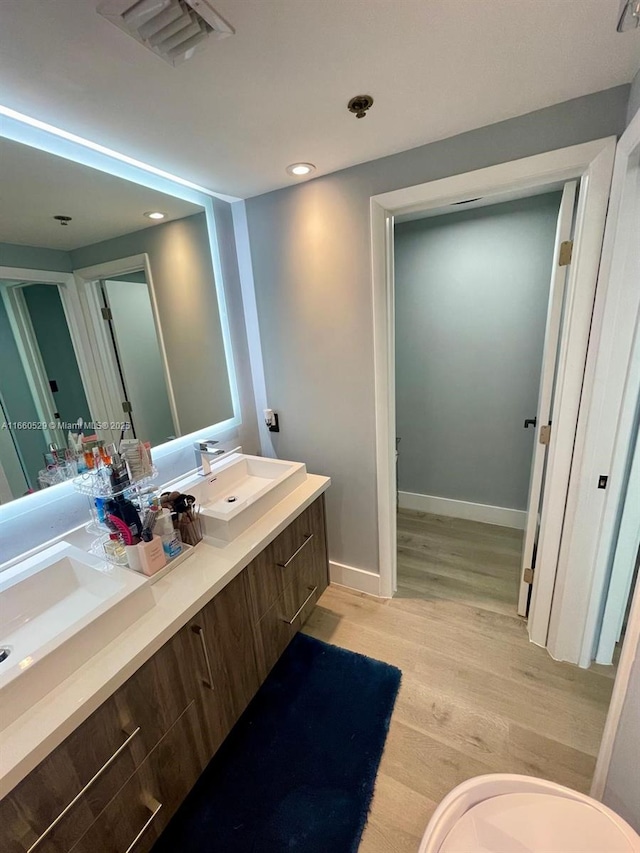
x: 172, y: 29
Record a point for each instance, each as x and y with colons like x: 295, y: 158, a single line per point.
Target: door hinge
x: 545, y: 434
x: 528, y: 576
x: 566, y: 250
x: 126, y: 407
x: 106, y: 313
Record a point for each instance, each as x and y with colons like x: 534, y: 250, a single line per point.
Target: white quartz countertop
x: 178, y: 597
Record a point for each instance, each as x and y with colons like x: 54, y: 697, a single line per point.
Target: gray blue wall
x: 471, y: 302
x: 310, y: 247
x: 34, y: 258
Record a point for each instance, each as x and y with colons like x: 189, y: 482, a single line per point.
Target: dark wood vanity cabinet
x: 285, y: 581
x: 223, y: 652
x: 114, y: 783
x: 58, y: 802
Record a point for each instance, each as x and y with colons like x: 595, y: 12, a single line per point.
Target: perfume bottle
x: 115, y: 550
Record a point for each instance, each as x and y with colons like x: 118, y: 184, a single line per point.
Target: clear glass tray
x: 92, y: 484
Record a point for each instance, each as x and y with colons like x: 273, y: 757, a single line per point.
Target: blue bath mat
x: 297, y: 772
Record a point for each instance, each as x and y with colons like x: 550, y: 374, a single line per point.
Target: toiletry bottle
x: 171, y: 544
x: 99, y: 505
x: 170, y: 537
x: 152, y: 556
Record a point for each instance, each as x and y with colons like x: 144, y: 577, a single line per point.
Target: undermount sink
x: 239, y: 490
x: 61, y: 606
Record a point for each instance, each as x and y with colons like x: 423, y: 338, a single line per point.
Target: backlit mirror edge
x: 36, y: 134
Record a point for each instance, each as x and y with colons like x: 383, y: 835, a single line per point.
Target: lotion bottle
x: 152, y: 556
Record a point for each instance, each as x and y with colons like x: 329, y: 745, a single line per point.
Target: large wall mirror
x: 110, y: 320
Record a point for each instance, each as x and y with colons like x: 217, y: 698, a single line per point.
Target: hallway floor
x: 476, y: 696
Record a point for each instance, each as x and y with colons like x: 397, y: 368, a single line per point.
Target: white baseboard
x: 464, y: 509
x: 353, y: 578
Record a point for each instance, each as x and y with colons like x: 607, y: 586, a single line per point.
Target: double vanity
x: 118, y: 690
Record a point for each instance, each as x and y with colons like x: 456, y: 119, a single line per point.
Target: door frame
x: 30, y: 355
x: 613, y: 368
x: 25, y: 337
x: 592, y: 164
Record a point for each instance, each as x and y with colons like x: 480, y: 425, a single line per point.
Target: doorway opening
x: 588, y: 169
x: 480, y: 332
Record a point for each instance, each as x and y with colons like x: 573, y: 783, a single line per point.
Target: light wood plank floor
x: 476, y: 696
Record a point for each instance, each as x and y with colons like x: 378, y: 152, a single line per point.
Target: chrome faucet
x: 206, y: 450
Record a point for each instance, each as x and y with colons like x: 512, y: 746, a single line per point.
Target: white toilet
x: 503, y: 813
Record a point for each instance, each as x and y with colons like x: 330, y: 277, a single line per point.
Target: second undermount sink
x: 59, y: 607
x: 239, y: 490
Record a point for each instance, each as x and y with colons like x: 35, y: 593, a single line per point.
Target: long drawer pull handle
x: 84, y: 790
x: 302, y: 607
x: 154, y: 807
x: 295, y: 553
x: 197, y: 629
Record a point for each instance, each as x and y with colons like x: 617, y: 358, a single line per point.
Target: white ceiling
x: 233, y: 117
x: 36, y: 186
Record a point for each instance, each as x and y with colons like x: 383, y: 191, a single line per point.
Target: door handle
x: 530, y: 422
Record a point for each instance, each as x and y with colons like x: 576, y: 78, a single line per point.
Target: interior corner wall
x: 311, y: 247
x: 471, y: 293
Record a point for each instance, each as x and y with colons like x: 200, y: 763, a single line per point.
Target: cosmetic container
x: 152, y: 556
x: 133, y: 557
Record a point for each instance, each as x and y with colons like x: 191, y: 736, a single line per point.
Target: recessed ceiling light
x: 155, y: 214
x: 299, y: 170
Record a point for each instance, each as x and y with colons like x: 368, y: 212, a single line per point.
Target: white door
x: 537, y: 484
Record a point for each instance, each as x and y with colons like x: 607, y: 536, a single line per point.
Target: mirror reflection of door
x: 56, y: 395
x: 133, y: 333
x: 56, y: 350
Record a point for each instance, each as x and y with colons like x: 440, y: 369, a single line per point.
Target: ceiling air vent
x: 174, y: 29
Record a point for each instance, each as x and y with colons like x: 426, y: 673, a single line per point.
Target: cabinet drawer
x: 158, y: 693
x: 223, y: 648
x: 60, y: 799
x: 70, y: 787
x: 279, y: 564
x: 138, y: 813
x: 280, y: 623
